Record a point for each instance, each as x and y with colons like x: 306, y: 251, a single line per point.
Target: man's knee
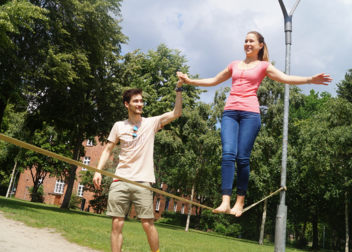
x: 147, y: 224
x: 117, y: 224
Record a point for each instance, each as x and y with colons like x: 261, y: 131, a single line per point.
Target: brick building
x: 55, y: 188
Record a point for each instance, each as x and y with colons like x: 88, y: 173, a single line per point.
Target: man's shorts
x: 122, y: 195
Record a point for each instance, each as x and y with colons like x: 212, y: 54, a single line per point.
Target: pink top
x: 245, y: 83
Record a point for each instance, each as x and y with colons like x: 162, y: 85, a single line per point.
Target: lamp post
x: 281, y: 216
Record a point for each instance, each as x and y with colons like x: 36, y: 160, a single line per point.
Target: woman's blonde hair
x: 263, y: 54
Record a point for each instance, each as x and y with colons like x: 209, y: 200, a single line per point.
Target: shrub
x: 75, y: 201
x: 39, y: 196
x: 220, y: 229
x: 177, y: 219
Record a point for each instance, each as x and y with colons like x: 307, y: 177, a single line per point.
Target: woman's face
x: 252, y: 45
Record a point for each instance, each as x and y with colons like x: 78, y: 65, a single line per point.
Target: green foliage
x: 344, y: 87
x: 75, y: 201
x: 39, y: 194
x: 100, y: 197
x: 220, y: 223
x: 12, y: 126
x: 177, y: 219
x: 40, y: 165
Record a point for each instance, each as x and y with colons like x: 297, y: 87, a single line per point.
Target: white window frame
x: 80, y: 190
x: 183, y: 209
x: 175, y: 207
x: 86, y: 161
x: 89, y: 142
x: 161, y: 185
x: 157, y: 206
x: 59, y: 186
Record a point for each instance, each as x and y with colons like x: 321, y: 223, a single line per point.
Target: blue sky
x: 211, y: 34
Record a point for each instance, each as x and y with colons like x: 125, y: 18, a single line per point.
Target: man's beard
x: 135, y: 112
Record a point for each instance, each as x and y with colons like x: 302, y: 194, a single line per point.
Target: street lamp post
x: 281, y: 217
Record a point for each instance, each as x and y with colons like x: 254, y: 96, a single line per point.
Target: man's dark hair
x: 127, y: 95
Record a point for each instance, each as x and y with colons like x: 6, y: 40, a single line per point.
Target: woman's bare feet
x: 225, y: 205
x: 237, y: 209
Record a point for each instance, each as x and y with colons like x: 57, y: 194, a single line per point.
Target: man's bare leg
x: 225, y: 205
x: 238, y: 207
x: 152, y: 234
x: 116, y: 234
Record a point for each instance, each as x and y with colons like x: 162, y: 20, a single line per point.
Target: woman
x: 241, y: 119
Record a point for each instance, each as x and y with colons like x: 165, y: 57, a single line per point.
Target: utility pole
x: 281, y: 216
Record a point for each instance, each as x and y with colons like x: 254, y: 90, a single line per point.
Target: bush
x: 39, y: 197
x: 75, y: 201
x: 220, y: 223
x: 177, y: 219
x: 220, y: 229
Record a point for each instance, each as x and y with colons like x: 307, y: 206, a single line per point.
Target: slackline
x: 76, y: 163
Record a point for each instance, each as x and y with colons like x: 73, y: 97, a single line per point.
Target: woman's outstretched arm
x: 221, y: 77
x: 279, y: 76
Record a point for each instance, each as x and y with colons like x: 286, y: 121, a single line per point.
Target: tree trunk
x: 346, y: 223
x: 190, y: 208
x: 13, y: 172
x: 3, y: 106
x: 261, y: 238
x: 71, y: 180
x: 315, y: 232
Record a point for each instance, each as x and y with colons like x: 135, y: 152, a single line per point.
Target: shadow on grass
x: 31, y: 206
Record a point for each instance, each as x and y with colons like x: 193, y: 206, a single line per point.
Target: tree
x: 189, y: 154
x: 265, y: 160
x: 17, y: 19
x: 344, y: 87
x: 327, y: 152
x: 12, y: 126
x: 40, y: 165
x: 79, y: 86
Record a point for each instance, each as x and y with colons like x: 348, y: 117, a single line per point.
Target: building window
x: 175, y: 207
x: 161, y: 186
x: 80, y: 190
x: 157, y: 205
x: 183, y: 209
x: 89, y: 142
x: 59, y: 186
x: 86, y: 161
x: 167, y: 204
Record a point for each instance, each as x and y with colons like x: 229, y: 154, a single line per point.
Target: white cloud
x: 211, y: 33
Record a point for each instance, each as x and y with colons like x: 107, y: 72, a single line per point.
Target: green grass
x: 93, y: 230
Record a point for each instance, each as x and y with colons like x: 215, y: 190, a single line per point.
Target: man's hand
x: 97, y: 180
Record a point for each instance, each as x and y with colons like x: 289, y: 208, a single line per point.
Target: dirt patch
x: 17, y: 237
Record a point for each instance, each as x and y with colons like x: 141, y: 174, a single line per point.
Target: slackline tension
x: 76, y: 163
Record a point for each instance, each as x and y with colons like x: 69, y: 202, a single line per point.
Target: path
x: 17, y: 237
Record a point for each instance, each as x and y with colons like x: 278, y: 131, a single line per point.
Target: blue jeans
x: 239, y: 130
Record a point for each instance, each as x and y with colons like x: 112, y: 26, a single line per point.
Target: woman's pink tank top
x: 245, y: 83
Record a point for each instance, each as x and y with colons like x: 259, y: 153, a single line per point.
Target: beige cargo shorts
x: 122, y: 195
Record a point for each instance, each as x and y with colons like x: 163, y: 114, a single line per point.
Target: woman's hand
x: 319, y: 79
x: 183, y: 77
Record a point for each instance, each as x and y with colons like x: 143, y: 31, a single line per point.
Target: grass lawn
x: 93, y: 230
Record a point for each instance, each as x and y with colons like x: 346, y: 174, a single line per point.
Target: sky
x: 211, y: 33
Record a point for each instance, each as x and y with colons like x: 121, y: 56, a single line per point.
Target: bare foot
x: 237, y: 209
x: 223, y: 208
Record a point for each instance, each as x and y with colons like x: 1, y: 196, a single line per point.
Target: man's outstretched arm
x: 102, y: 161
x: 177, y: 112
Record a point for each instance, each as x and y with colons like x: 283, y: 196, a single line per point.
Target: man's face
x: 136, y: 104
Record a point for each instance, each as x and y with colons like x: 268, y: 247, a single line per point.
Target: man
x: 136, y: 137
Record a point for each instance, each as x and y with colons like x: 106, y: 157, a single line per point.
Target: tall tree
x: 78, y: 88
x: 17, y: 20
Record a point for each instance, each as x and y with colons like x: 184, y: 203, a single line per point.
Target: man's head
x: 133, y: 101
